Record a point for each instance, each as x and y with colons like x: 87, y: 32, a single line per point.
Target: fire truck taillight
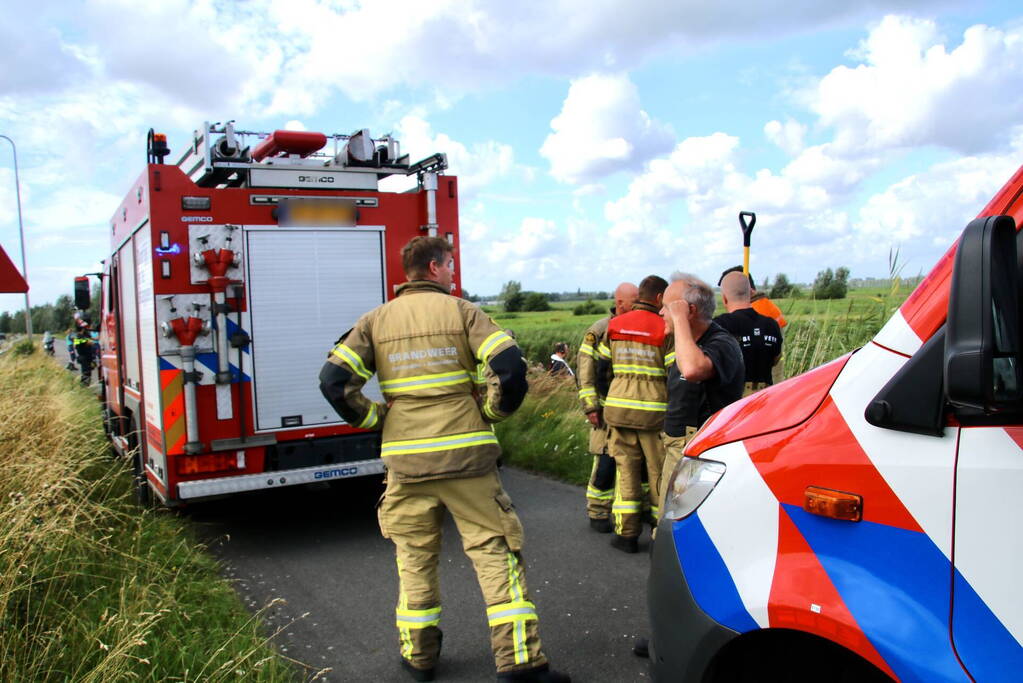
x: 213, y: 462
x: 833, y: 504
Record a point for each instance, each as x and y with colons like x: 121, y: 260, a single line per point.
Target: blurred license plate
x: 316, y: 212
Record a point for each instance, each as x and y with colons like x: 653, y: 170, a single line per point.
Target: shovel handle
x: 747, y: 227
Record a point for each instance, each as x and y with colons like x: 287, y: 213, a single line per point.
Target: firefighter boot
x: 627, y: 544
x: 540, y: 674
x: 423, y: 674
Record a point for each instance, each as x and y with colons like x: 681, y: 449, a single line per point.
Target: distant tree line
x: 829, y: 284
x: 514, y: 299
x: 56, y: 317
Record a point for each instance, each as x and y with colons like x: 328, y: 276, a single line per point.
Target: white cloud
x: 911, y: 89
x: 803, y: 226
x: 932, y: 207
x: 602, y: 129
x: 909, y: 92
x: 182, y: 49
x: 476, y: 165
x: 70, y: 217
x: 788, y: 136
x: 453, y: 46
x: 35, y: 58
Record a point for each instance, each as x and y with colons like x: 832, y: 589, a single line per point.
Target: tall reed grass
x: 549, y: 433
x: 93, y: 588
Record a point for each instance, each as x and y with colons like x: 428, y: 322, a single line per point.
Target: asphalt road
x: 321, y: 551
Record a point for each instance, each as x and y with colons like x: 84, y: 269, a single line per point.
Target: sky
x: 594, y: 141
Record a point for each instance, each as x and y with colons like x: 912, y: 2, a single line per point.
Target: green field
x: 548, y: 434
x: 818, y: 330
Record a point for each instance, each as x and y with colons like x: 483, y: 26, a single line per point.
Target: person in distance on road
x: 441, y: 454
x: 70, y: 341
x: 634, y: 409
x: 85, y: 352
x: 600, y: 489
x: 758, y: 335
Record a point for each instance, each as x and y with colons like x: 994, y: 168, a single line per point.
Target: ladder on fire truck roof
x: 221, y: 156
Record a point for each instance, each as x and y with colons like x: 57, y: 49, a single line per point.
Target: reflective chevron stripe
x: 440, y: 443
x: 440, y: 379
x: 629, y: 369
x: 371, y: 419
x: 417, y: 618
x: 491, y: 343
x: 653, y: 406
x: 353, y: 360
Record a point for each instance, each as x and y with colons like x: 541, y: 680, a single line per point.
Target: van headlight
x: 691, y: 482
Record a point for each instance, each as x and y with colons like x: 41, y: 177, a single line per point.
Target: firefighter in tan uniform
x: 600, y: 488
x: 634, y: 408
x: 441, y: 454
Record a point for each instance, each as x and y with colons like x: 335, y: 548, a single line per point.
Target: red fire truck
x: 230, y: 276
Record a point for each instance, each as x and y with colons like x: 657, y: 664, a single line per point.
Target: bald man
x: 600, y: 490
x: 758, y: 335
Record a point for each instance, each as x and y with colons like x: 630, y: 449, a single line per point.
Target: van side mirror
x: 982, y: 342
x: 83, y: 298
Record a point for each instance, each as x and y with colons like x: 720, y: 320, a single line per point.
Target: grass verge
x: 548, y: 433
x: 92, y: 588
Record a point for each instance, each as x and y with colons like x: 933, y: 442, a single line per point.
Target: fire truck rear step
x: 272, y: 480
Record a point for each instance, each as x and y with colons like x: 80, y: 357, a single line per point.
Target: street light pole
x: 21, y: 234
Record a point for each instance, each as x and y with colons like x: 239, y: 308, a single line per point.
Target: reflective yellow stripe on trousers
x: 403, y: 631
x: 620, y: 508
x: 417, y: 618
x: 515, y: 612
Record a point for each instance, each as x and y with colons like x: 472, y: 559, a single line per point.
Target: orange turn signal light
x: 833, y: 504
x: 159, y: 137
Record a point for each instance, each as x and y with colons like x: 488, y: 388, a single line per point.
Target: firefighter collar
x: 644, y: 306
x: 420, y: 286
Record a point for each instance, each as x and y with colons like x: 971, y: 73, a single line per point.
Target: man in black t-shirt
x: 706, y: 372
x: 758, y: 335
